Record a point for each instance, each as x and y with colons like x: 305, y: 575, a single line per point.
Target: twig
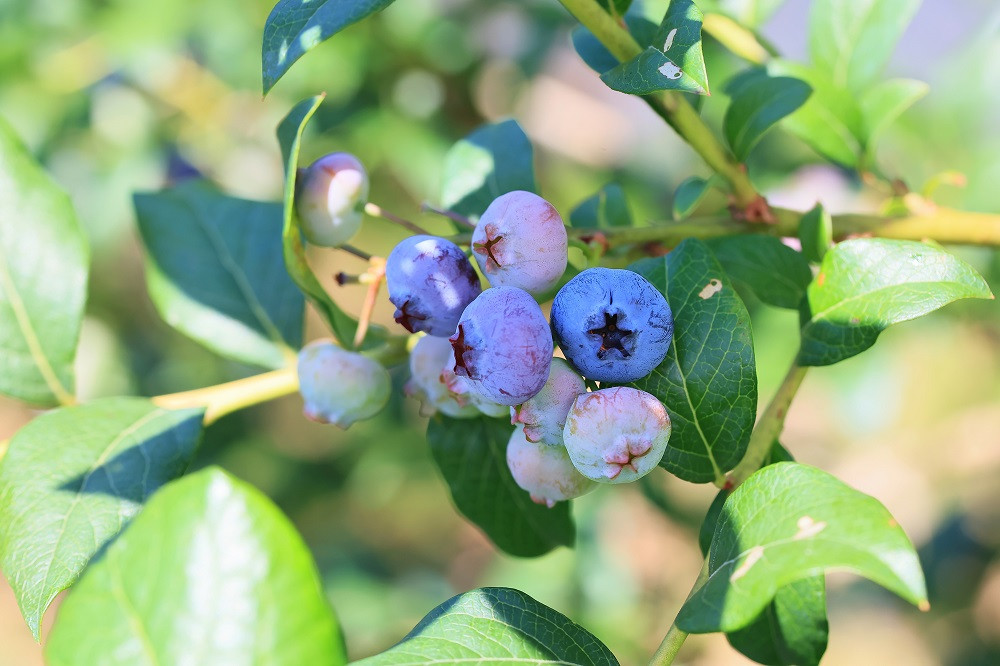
x: 450, y: 214
x: 377, y: 211
x: 377, y: 273
x: 350, y: 249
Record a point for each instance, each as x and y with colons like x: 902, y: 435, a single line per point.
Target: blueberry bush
x: 553, y: 353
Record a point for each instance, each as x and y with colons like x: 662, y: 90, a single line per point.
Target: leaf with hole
x: 708, y: 381
x: 295, y: 27
x: 492, y: 160
x: 43, y: 279
x: 215, y: 272
x: 472, y: 457
x: 495, y: 625
x: 73, y: 478
x: 867, y: 284
x: 674, y: 61
x: 788, y: 522
x: 211, y: 572
x: 774, y: 272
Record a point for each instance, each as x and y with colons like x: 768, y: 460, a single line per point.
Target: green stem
x: 675, y: 637
x: 227, y: 398
x: 671, y: 106
x: 769, y: 426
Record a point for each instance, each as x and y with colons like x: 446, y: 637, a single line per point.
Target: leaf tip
x: 924, y: 605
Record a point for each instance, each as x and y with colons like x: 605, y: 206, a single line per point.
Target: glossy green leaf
x: 290, y: 137
x: 674, y: 60
x: 886, y: 101
x: 830, y: 121
x: 43, y: 279
x: 211, y: 572
x: 792, y: 630
x: 598, y: 58
x: 493, y: 160
x: 215, y: 272
x: 758, y: 102
x: 816, y: 233
x: 472, y: 457
x: 690, y: 194
x: 788, y: 522
x: 774, y: 272
x: 867, y: 284
x: 73, y: 478
x: 495, y: 625
x: 606, y: 209
x: 708, y: 381
x: 852, y: 41
x: 297, y: 26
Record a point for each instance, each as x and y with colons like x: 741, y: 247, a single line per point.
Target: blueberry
x: 503, y: 346
x: 428, y: 360
x: 520, y: 241
x: 339, y: 386
x: 430, y: 281
x: 546, y: 472
x: 616, y: 435
x: 544, y: 416
x: 330, y: 197
x: 612, y: 324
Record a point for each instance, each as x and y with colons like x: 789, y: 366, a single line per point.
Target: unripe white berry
x: 546, y: 472
x: 544, y: 415
x: 330, y: 197
x: 339, y: 386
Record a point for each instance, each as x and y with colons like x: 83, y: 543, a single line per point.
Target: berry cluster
x: 491, y: 351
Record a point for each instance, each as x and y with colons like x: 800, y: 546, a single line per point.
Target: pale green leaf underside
x: 472, y: 457
x: 495, y: 625
x: 210, y: 573
x: 492, y: 160
x: 43, y: 279
x: 73, y: 478
x: 884, y: 102
x: 708, y: 381
x: 867, y: 284
x: 215, y: 272
x: 296, y: 26
x: 788, y: 522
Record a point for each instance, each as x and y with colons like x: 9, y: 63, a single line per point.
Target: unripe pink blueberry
x: 429, y: 359
x: 544, y: 415
x: 461, y: 389
x: 503, y: 345
x: 546, y: 472
x: 339, y: 386
x: 330, y: 197
x: 616, y: 435
x: 520, y: 241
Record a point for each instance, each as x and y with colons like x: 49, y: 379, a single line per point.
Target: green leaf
x: 708, y: 381
x: 830, y: 120
x: 598, y: 58
x: 852, y: 41
x: 886, y: 101
x: 43, y: 279
x: 605, y: 210
x: 215, y: 272
x: 816, y: 233
x: 774, y: 272
x: 616, y: 7
x: 495, y: 625
x: 750, y: 13
x: 493, y: 160
x: 343, y: 325
x: 788, y: 522
x: 690, y: 193
x: 867, y: 284
x: 792, y: 630
x: 472, y: 457
x: 296, y: 26
x: 73, y: 478
x: 758, y: 102
x: 211, y: 572
x: 674, y: 61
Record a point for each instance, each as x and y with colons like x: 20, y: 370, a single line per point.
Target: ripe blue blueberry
x: 430, y: 281
x: 339, y: 386
x: 520, y: 241
x: 616, y: 435
x: 612, y: 324
x: 330, y: 197
x: 544, y: 416
x: 503, y: 346
x: 546, y: 472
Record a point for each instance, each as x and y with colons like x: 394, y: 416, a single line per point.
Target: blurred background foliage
x: 117, y: 97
